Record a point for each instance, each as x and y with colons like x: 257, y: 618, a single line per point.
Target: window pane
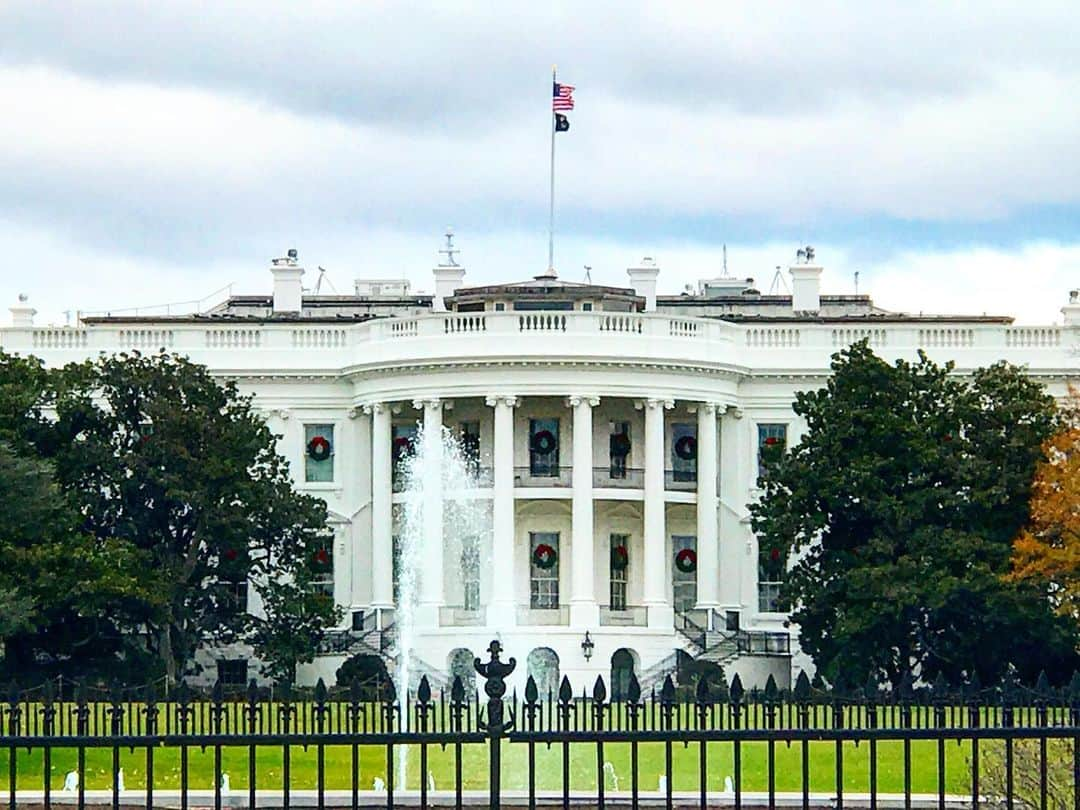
x: 684, y: 452
x: 619, y: 570
x: 772, y: 442
x: 684, y: 583
x: 619, y: 448
x: 543, y: 582
x: 318, y: 470
x: 544, y: 464
x: 470, y: 572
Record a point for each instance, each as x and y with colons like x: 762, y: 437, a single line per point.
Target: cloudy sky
x: 155, y: 152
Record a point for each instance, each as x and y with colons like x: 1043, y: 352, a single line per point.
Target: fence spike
x: 457, y: 690
x: 667, y: 691
x: 566, y: 693
x: 1042, y: 685
x: 531, y: 693
x: 252, y: 691
x: 701, y: 694
x: 802, y: 688
x: 907, y: 690
x: 423, y: 692
x: 599, y: 691
x: 217, y: 694
x: 320, y: 691
x: 772, y: 694
x: 736, y: 692
x: 633, y: 692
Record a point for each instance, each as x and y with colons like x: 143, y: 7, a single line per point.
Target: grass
x: 372, y: 762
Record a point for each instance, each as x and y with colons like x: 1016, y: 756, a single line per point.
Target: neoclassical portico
x: 589, y: 483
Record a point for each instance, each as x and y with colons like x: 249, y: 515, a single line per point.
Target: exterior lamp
x: 587, y: 646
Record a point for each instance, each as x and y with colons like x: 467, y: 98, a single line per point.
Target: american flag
x: 562, y: 97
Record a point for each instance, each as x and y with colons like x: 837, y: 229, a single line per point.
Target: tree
x: 894, y: 514
x: 295, y: 614
x: 162, y: 460
x: 1047, y: 551
x: 63, y: 595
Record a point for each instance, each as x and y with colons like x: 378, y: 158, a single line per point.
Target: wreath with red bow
x: 403, y: 447
x: 620, y: 558
x: 686, y: 561
x: 686, y: 448
x: 544, y: 556
x: 318, y: 449
x: 544, y: 442
x: 321, y: 558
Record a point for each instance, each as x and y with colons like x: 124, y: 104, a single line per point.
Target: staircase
x: 704, y: 644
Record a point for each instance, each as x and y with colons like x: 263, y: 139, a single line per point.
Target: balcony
x: 543, y: 477
x: 612, y: 478
x: 759, y: 642
x: 680, y: 480
x: 629, y: 616
x: 539, y: 617
x: 484, y: 477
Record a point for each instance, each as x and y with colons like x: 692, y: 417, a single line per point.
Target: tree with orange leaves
x: 1048, y: 549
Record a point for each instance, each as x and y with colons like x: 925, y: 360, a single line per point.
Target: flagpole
x: 551, y: 202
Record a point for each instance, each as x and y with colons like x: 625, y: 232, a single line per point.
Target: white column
x: 657, y: 580
x: 431, y: 581
x: 583, y: 606
x: 382, y: 550
x: 501, y: 610
x: 708, y: 570
x: 733, y: 497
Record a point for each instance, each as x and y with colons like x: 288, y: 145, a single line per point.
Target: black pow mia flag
x: 562, y: 123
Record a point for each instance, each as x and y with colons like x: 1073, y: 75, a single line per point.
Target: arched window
x: 543, y: 667
x: 460, y: 663
x: 622, y: 667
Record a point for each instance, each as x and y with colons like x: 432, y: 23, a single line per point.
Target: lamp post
x: 587, y: 646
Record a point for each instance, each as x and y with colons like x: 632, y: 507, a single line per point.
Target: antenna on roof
x: 449, y: 250
x: 779, y: 285
x: 322, y: 277
x: 856, y: 282
x: 725, y: 261
x: 588, y: 274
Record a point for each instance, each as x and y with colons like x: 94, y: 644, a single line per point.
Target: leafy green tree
x: 64, y: 596
x: 894, y: 516
x: 295, y: 613
x: 160, y: 458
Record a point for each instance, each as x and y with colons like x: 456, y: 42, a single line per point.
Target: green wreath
x: 545, y: 556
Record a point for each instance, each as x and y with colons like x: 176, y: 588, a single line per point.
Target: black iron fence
x: 1011, y: 743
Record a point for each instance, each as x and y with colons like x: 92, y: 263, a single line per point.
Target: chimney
x: 805, y: 282
x: 22, y: 316
x: 288, y: 292
x: 1071, y: 310
x: 643, y: 280
x: 448, y: 274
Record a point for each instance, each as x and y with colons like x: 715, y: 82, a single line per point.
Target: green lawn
x: 549, y: 767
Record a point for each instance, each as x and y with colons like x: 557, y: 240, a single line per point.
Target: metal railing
x: 970, y: 745
x: 543, y: 477
x: 613, y: 478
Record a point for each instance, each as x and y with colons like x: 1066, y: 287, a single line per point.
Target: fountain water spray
x: 439, y: 516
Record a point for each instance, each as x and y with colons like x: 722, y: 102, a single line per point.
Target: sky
x: 156, y: 153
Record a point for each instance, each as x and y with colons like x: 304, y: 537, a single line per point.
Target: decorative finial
x: 449, y: 250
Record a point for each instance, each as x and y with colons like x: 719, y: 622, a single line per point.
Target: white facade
x: 666, y: 373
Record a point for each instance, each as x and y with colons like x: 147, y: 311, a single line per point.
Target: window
x: 395, y: 555
x: 232, y: 671
x: 620, y: 564
x: 586, y: 306
x: 543, y: 582
x: 684, y: 452
x: 470, y: 446
x: 684, y: 572
x: 772, y: 563
x: 403, y: 438
x: 234, y: 595
x: 500, y: 306
x: 358, y: 621
x: 470, y: 572
x: 544, y: 448
x: 318, y: 453
x: 772, y: 442
x: 322, y: 568
x: 731, y: 621
x: 535, y: 306
x: 619, y: 449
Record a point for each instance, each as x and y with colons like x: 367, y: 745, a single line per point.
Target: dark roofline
x: 868, y: 318
x: 316, y: 301
x: 541, y: 288
x: 283, y: 317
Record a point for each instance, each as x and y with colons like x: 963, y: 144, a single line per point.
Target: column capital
x: 509, y: 400
x: 374, y: 407
x: 574, y: 400
x: 427, y: 402
x: 281, y: 413
x: 734, y: 412
x: 654, y: 402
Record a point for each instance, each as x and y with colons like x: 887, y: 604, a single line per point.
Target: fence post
x: 494, y: 673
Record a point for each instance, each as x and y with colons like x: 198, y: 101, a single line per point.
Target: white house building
x: 615, y: 434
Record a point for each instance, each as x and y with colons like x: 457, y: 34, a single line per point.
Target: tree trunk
x: 165, y: 652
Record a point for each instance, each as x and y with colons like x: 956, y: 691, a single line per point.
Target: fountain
x: 438, y: 471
